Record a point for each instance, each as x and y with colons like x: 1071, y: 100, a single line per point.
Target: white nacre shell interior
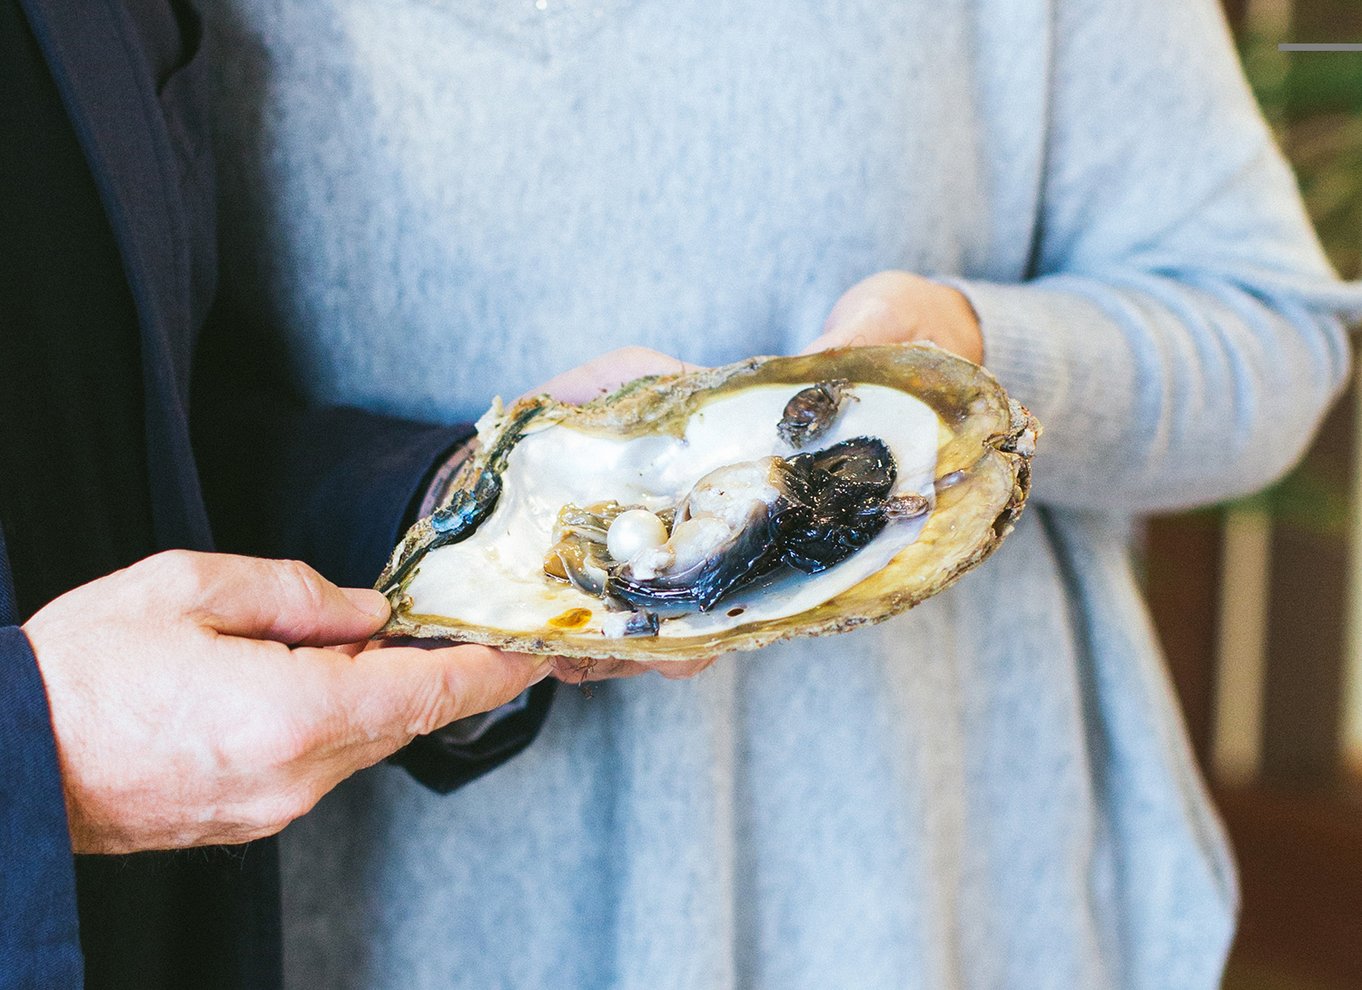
x: 495, y: 578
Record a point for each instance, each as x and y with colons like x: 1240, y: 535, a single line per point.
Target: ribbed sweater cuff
x: 1041, y: 344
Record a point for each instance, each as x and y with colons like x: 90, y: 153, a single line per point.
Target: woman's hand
x: 890, y: 307
x: 898, y: 307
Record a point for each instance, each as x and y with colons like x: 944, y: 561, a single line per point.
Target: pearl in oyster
x: 633, y: 532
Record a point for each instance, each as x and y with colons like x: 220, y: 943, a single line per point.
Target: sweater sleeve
x: 1182, y: 335
x: 39, y: 937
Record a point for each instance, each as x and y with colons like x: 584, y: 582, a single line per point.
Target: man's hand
x: 898, y: 307
x: 194, y: 700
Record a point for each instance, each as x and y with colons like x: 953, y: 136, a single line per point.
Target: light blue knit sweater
x: 439, y: 200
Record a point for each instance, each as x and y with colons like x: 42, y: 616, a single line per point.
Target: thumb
x: 282, y: 600
x: 422, y: 690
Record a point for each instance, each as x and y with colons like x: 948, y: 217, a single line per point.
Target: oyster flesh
x: 723, y: 509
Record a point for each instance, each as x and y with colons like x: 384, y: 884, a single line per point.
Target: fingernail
x: 368, y: 601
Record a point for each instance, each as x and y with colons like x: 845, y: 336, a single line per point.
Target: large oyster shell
x: 958, y: 438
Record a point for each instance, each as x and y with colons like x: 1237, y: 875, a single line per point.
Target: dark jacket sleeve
x: 333, y: 486
x: 39, y: 931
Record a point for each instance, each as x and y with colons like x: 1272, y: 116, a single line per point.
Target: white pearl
x: 633, y: 532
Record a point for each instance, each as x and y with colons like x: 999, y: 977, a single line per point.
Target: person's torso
x: 434, y: 201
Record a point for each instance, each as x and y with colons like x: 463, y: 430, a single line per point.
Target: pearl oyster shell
x: 957, y: 438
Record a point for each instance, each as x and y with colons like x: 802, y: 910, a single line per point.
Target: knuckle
x: 183, y: 570
x: 434, y: 703
x: 302, y: 584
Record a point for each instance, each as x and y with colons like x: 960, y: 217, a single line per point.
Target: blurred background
x: 1259, y: 603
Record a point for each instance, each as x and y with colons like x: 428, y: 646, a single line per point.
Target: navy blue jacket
x: 333, y: 486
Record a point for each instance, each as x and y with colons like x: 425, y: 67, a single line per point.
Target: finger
x: 675, y: 670
x: 866, y: 314
x: 859, y: 330
x: 608, y: 372
x: 413, y: 691
x: 281, y: 600
x: 824, y: 343
x: 579, y: 670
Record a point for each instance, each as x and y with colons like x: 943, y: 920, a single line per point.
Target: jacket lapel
x: 94, y: 53
x: 9, y: 608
